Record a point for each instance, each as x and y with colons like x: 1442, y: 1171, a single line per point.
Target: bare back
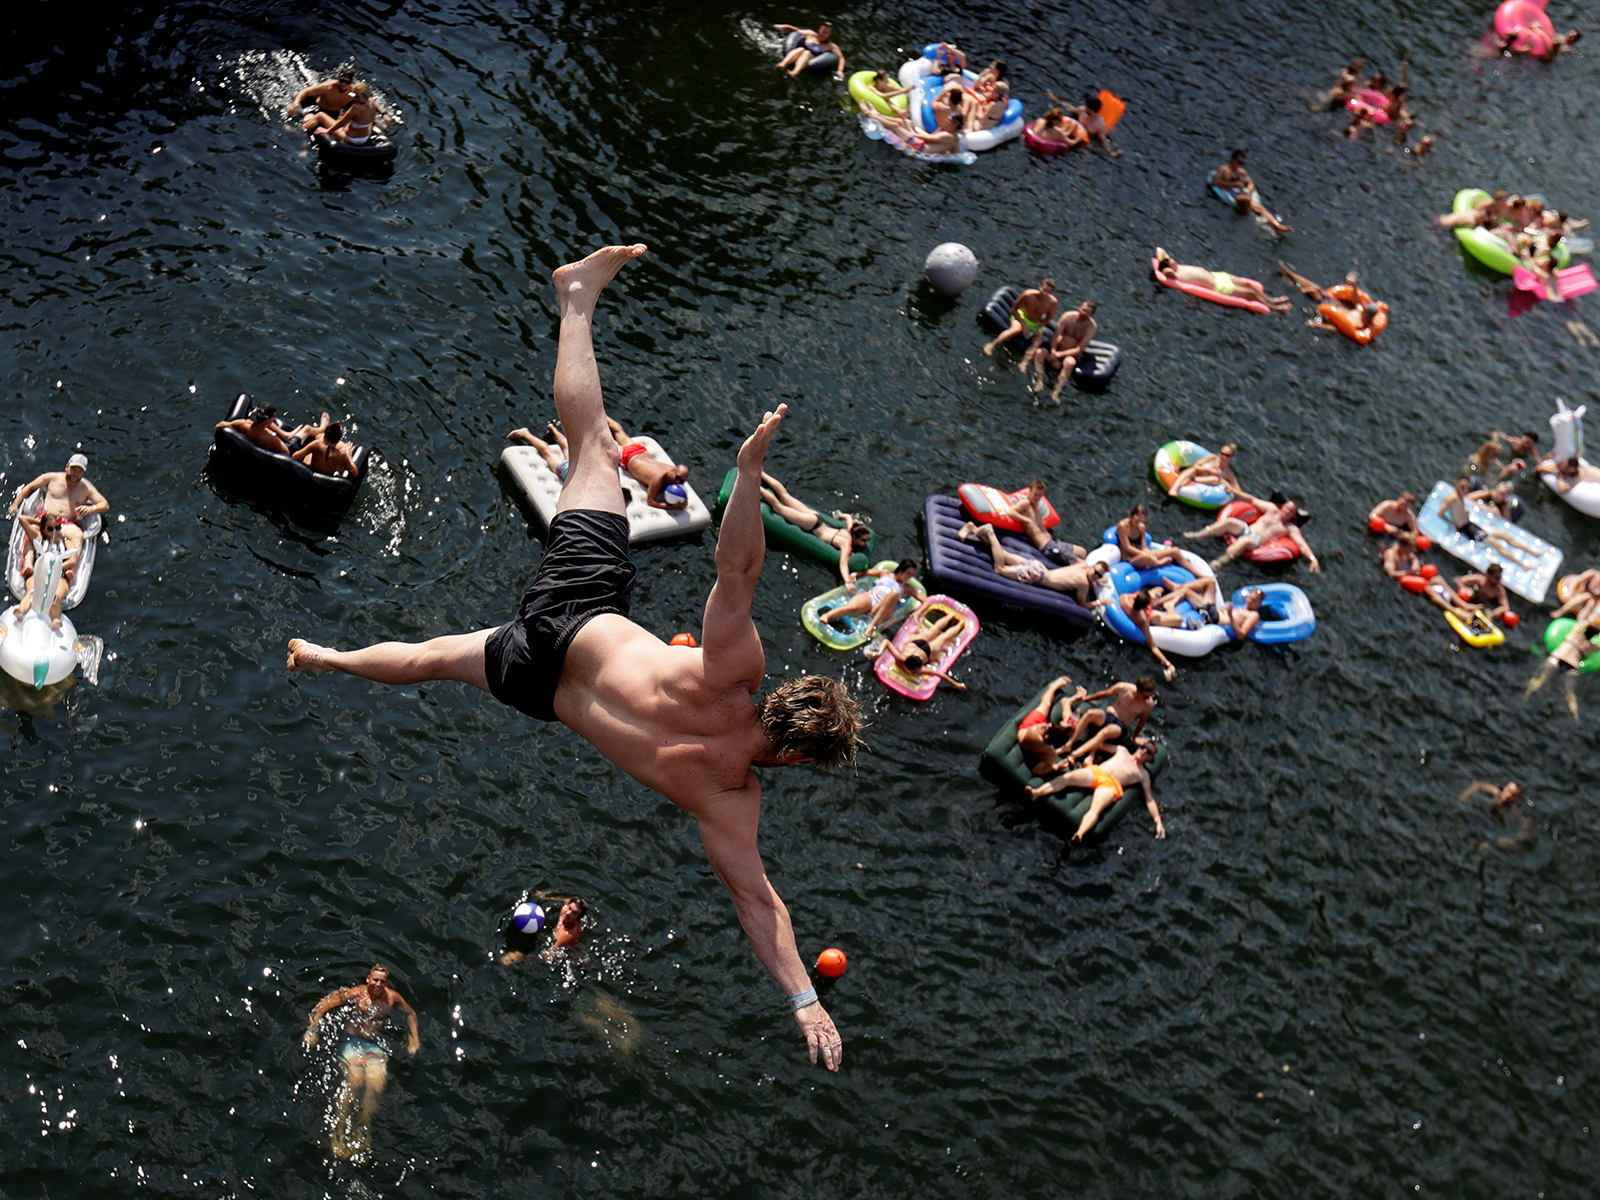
x: 647, y: 707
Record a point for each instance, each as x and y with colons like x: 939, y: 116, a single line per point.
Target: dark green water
x: 1322, y: 984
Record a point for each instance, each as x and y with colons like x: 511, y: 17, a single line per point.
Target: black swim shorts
x: 585, y: 571
x: 1060, y: 551
x: 1472, y: 530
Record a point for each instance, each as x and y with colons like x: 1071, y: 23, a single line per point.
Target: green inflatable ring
x: 1556, y: 632
x: 1004, y: 764
x: 791, y: 537
x: 861, y: 90
x: 1483, y: 245
x: 854, y: 633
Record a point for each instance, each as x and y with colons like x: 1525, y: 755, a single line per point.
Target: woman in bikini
x: 852, y: 539
x: 921, y: 652
x: 356, y: 124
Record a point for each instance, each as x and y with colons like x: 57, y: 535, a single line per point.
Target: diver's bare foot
x: 521, y: 435
x: 593, y: 273
x: 306, y: 656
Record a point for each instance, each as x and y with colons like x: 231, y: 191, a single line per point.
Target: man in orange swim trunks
x: 1122, y: 770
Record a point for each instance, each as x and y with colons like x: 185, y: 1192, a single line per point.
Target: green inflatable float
x: 1003, y: 763
x: 1483, y: 245
x: 791, y: 537
x: 861, y: 90
x: 849, y: 632
x: 1557, y: 632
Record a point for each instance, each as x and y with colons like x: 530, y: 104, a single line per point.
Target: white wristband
x: 807, y: 997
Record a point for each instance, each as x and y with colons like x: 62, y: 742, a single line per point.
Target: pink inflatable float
x: 1371, y: 104
x: 1211, y: 294
x: 1527, y: 25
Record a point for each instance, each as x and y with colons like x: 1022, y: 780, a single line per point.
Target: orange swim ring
x: 1343, y: 318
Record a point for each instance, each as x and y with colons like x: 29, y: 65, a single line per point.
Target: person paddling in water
x: 678, y: 719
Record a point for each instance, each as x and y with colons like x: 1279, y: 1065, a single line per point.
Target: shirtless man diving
x: 678, y: 719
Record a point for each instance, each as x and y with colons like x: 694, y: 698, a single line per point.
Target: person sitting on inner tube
x: 817, y: 41
x: 987, y: 114
x: 1056, y: 126
x: 1214, y: 470
x: 1078, y: 580
x: 1074, y: 331
x: 1088, y: 115
x: 1040, y: 739
x: 261, y: 427
x: 885, y: 86
x: 325, y: 455
x: 655, y: 477
x: 979, y: 95
x: 881, y: 599
x: 1274, y: 521
x: 1549, y: 48
x: 1131, y: 531
x: 909, y: 136
x: 50, y: 532
x: 850, y: 540
x: 1399, y: 516
x: 1033, y: 310
x: 1205, y: 596
x: 356, y: 124
x: 1232, y: 178
x: 330, y: 98
x: 1400, y: 557
x: 1484, y: 588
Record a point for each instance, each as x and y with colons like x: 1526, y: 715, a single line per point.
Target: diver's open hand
x: 754, y: 451
x: 818, y: 1027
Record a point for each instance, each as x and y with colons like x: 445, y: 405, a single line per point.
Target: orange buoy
x: 832, y: 963
x: 1424, y: 542
x: 1377, y: 525
x: 683, y: 639
x: 1511, y: 619
x: 1414, y: 583
x: 1429, y: 570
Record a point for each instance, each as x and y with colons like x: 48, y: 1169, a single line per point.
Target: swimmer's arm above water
x: 728, y: 825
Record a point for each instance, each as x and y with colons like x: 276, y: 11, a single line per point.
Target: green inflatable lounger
x: 791, y: 537
x: 1004, y: 764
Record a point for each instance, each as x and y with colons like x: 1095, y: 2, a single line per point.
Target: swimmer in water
x: 1568, y: 658
x: 1504, y: 803
x: 682, y: 721
x: 566, y: 934
x: 1212, y: 470
x: 1232, y: 178
x: 366, y: 1062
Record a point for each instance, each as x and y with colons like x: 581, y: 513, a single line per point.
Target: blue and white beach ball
x: 528, y: 917
x: 677, y: 493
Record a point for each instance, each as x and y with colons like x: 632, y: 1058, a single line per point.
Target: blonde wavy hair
x: 814, y: 717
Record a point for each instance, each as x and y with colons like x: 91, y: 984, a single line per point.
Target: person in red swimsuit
x: 656, y: 477
x: 1041, y: 739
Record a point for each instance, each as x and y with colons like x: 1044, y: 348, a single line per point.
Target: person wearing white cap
x: 67, y: 493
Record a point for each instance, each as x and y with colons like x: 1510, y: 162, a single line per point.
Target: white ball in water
x: 528, y: 917
x: 951, y: 268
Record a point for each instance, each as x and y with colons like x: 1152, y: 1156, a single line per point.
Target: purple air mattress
x: 967, y: 572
